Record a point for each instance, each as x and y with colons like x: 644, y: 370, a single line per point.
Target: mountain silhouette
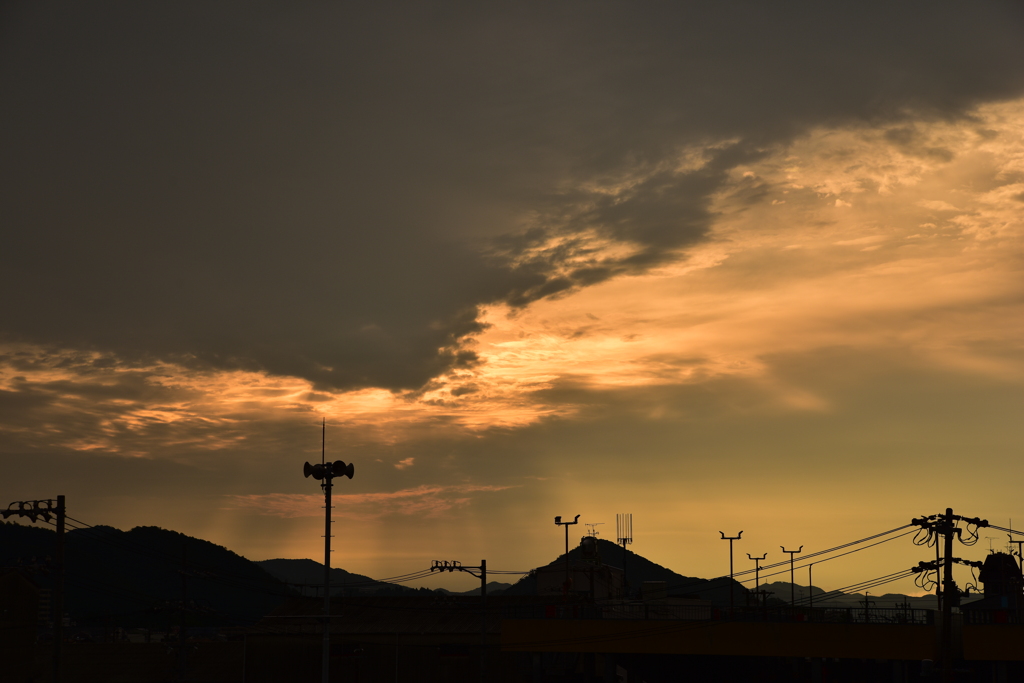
x: 137, y: 577
x: 307, y: 577
x: 639, y: 569
x: 781, y: 590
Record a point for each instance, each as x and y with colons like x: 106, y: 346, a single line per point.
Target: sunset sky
x: 723, y: 266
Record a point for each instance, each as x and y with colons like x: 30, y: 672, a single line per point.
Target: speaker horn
x: 307, y: 470
x: 340, y: 469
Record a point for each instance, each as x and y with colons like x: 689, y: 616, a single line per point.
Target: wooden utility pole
x: 945, y: 525
x: 34, y: 509
x: 454, y: 566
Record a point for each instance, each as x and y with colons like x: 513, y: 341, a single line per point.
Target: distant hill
x: 781, y: 591
x: 493, y: 588
x: 307, y: 577
x: 135, y: 577
x: 639, y: 569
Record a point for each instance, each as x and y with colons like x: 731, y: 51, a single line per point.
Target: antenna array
x: 624, y: 528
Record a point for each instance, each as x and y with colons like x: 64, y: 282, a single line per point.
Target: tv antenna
x: 593, y: 532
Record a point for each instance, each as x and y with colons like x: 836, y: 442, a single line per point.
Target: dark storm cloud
x: 308, y: 189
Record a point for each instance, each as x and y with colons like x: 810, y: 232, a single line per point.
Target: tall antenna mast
x: 624, y: 537
x: 326, y: 473
x: 624, y: 528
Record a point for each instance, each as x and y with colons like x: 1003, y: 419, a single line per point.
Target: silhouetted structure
x: 1002, y: 582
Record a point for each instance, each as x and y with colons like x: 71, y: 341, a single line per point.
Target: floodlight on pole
x: 731, y: 582
x: 757, y: 572
x: 325, y: 472
x: 792, y: 581
x: 559, y: 522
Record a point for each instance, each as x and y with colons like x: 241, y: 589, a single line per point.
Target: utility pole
x: 58, y: 592
x: 867, y: 615
x: 326, y: 472
x: 945, y: 525
x: 792, y: 581
x: 34, y: 509
x: 182, y: 654
x: 810, y: 584
x: 732, y: 602
x: 568, y: 580
x: 948, y: 594
x: 757, y: 572
x: 455, y: 565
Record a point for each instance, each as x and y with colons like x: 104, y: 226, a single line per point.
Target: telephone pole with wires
x: 947, y: 526
x: 867, y: 607
x: 481, y: 573
x: 34, y: 509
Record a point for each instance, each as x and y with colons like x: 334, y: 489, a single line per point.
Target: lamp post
x: 792, y: 581
x: 757, y: 573
x: 325, y: 472
x: 559, y: 522
x: 731, y: 582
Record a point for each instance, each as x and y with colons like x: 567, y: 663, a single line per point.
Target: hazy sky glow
x: 722, y: 268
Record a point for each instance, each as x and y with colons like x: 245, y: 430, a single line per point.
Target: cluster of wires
x: 800, y: 561
x: 927, y: 580
x: 928, y: 536
x: 858, y: 587
x: 972, y: 533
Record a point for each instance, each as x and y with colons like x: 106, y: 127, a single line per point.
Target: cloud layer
x: 332, y: 193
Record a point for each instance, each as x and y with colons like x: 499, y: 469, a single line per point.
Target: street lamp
x: 792, y: 581
x: 731, y: 582
x: 325, y: 473
x: 757, y: 573
x: 559, y: 522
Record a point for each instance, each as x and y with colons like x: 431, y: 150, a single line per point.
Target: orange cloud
x: 922, y: 255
